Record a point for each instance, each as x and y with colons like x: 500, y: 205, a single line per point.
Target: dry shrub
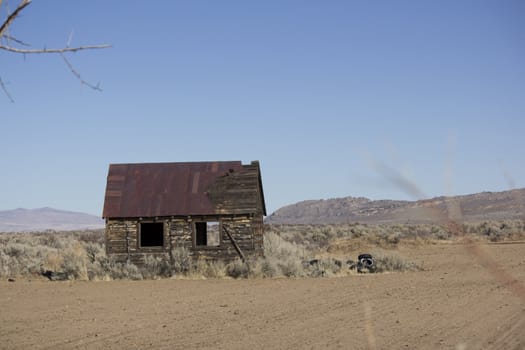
x: 330, y: 266
x: 281, y: 257
x: 181, y: 260
x: 81, y: 255
x: 54, y: 261
x: 51, y: 240
x: 214, y: 269
x: 125, y: 271
x: 291, y: 267
x: 26, y: 254
x: 392, y: 262
x: 289, y: 259
x: 19, y: 256
x: 317, y: 237
x: 199, y: 268
x: 156, y: 267
x: 74, y: 262
x: 94, y: 250
x: 237, y: 269
x: 278, y: 247
x: 90, y: 236
x: 264, y: 268
x: 324, y: 267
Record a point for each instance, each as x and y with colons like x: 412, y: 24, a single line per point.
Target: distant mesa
x: 469, y: 208
x: 40, y: 219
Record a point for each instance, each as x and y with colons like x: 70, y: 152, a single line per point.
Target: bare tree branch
x: 59, y: 51
x: 2, y: 85
x: 77, y: 74
x: 12, y: 16
x: 4, y: 34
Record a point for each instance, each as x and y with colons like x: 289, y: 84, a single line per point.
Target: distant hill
x: 20, y: 219
x: 468, y: 208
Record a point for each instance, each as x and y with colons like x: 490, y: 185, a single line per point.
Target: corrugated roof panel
x: 172, y: 189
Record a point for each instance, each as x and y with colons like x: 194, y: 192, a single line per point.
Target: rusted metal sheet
x: 176, y: 189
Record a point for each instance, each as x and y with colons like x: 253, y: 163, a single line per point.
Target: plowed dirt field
x: 454, y: 303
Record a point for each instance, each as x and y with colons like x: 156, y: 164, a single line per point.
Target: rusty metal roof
x: 181, y: 189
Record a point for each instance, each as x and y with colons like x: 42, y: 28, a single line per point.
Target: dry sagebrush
x: 288, y: 252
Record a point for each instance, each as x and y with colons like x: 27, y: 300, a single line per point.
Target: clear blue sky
x: 321, y: 92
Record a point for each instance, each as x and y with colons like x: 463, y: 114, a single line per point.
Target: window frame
x: 194, y: 234
x: 154, y: 247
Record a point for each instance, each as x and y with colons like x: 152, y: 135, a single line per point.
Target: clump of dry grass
x: 214, y: 269
x: 264, y: 268
x: 390, y: 261
x: 237, y: 269
x: 155, y: 266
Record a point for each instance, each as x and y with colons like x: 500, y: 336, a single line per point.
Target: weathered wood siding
x: 258, y: 235
x: 238, y: 192
x: 122, y: 238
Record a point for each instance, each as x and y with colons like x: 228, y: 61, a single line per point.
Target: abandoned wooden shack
x: 213, y: 209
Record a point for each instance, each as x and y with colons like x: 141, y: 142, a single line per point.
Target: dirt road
x: 455, y: 303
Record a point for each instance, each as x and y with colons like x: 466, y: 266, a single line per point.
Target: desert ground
x: 455, y: 302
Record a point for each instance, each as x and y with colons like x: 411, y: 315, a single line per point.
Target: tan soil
x: 455, y: 303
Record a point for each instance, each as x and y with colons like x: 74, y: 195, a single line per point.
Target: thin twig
x: 20, y: 42
x: 59, y: 51
x: 69, y: 38
x: 77, y: 74
x: 2, y: 85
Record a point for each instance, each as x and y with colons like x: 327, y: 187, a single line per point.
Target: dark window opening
x: 151, y: 234
x: 207, y: 233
